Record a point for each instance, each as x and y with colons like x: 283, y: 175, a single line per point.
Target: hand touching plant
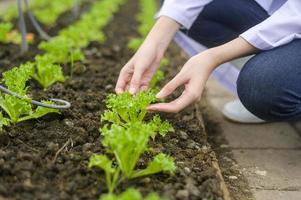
x: 193, y: 76
x: 138, y: 72
x: 196, y: 71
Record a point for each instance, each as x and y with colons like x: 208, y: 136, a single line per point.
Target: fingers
x: 191, y: 94
x: 172, y: 86
x: 148, y: 75
x: 123, y: 79
x: 175, y: 106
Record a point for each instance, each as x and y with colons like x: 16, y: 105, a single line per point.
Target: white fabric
x: 283, y: 26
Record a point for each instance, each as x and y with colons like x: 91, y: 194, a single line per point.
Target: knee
x: 266, y: 96
x: 249, y: 90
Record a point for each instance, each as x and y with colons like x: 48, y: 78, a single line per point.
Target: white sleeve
x: 279, y: 29
x: 184, y: 12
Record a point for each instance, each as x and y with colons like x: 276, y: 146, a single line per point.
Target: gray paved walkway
x: 268, y: 155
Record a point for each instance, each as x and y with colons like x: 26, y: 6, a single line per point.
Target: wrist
x: 162, y: 33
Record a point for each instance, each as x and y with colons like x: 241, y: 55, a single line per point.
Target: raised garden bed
x: 48, y: 158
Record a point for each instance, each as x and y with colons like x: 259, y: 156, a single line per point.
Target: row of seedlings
x: 126, y: 132
x: 45, y: 68
x: 47, y: 12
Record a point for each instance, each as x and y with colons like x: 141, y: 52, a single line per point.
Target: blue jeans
x: 269, y: 85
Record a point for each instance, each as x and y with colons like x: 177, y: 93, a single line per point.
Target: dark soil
x: 33, y: 164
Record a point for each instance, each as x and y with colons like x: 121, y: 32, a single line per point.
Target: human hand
x: 193, y: 76
x: 138, y: 72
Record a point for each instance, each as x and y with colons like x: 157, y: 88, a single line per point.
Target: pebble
x: 183, y: 135
x: 87, y: 146
x: 233, y: 177
x: 108, y: 87
x: 68, y: 122
x: 224, y: 146
x: 187, y: 170
x: 182, y: 194
x: 261, y: 172
x: 191, y: 144
x: 51, y: 146
x: 146, y: 180
x: 2, y: 161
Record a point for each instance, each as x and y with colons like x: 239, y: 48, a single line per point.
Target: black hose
x: 63, y: 104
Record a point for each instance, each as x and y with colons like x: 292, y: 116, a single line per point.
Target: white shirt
x: 283, y: 26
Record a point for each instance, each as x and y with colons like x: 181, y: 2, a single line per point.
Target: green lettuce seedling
x: 128, y: 144
x: 8, y: 35
x: 17, y: 109
x: 47, y: 73
x: 62, y: 50
x: 5, y: 29
x: 131, y: 194
x: 125, y: 108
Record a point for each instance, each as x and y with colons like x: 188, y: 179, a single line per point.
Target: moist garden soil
x: 47, y: 158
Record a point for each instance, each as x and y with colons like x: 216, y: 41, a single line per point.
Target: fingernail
x: 159, y: 95
x: 118, y: 91
x: 132, y: 90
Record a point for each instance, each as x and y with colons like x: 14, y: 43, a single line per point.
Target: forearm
x: 162, y: 33
x: 234, y: 49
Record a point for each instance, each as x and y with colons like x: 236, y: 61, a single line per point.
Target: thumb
x: 171, y: 86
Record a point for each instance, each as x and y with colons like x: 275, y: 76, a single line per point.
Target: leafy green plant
x: 127, y: 138
x: 47, y: 73
x: 125, y: 108
x: 62, y: 50
x: 17, y: 109
x: 127, y: 145
x: 8, y: 35
x: 131, y: 194
x: 47, y: 12
x: 5, y: 28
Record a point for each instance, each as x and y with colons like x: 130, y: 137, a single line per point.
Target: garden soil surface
x: 47, y: 158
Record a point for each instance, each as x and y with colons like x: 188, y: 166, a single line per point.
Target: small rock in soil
x: 182, y: 194
x: 187, y: 170
x: 146, y: 180
x: 261, y: 172
x: 192, y: 188
x: 51, y: 146
x: 191, y: 144
x: 224, y: 146
x: 233, y: 177
x: 2, y: 161
x: 183, y: 135
x: 87, y: 146
x: 68, y: 122
x: 108, y: 87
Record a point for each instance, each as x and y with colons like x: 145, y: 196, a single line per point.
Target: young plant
x: 8, y: 35
x: 5, y: 29
x: 125, y: 108
x: 131, y: 194
x: 62, y: 49
x: 128, y: 144
x: 17, y: 109
x: 47, y: 73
